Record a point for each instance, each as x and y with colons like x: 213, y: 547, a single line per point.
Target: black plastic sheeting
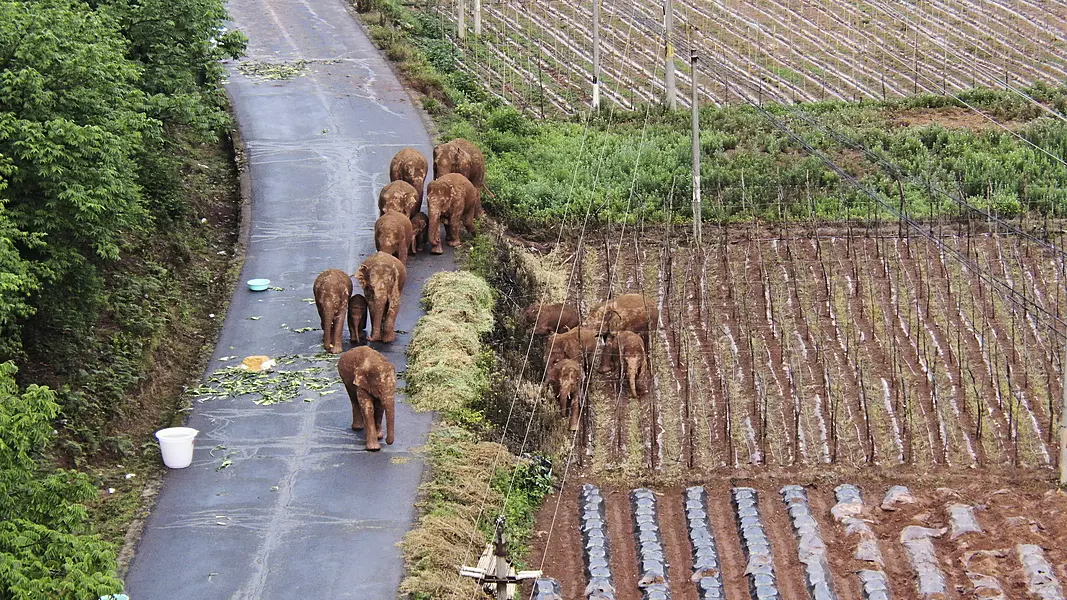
x: 546, y: 588
x: 1040, y: 577
x: 762, y: 584
x: 847, y: 511
x: 651, y: 556
x: 595, y: 544
x: 707, y: 571
x: 810, y: 547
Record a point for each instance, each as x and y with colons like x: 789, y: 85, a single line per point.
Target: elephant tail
x: 390, y: 410
x: 485, y: 186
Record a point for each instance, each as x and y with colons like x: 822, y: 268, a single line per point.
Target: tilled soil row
x: 1010, y: 514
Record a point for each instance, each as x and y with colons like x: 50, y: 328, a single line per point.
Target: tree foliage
x: 44, y: 551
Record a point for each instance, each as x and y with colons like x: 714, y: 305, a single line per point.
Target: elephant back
x: 367, y: 368
x: 381, y: 267
x: 408, y: 165
x: 399, y: 196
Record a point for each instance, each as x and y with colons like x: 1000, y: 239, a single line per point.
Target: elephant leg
x: 357, y: 414
x: 366, y: 404
x: 338, y: 327
x: 377, y: 314
x: 632, y: 368
x: 389, y: 326
x: 564, y: 402
x: 642, y: 386
x: 434, y: 231
x: 379, y: 412
x: 454, y: 225
x: 468, y: 219
x: 576, y: 410
x: 325, y: 320
x: 402, y: 253
x: 605, y: 360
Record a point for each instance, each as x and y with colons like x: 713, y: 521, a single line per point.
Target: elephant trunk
x: 377, y: 315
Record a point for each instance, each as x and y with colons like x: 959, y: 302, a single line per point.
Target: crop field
x: 859, y: 356
x: 538, y: 55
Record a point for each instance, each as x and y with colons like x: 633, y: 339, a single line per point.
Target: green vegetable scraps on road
x: 273, y: 71
x: 273, y: 386
x: 308, y: 300
x: 305, y: 329
x: 275, y: 288
x: 224, y: 464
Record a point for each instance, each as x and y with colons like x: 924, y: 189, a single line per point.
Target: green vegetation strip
x: 469, y: 478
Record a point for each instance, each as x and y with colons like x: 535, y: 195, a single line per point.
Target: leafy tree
x: 44, y: 552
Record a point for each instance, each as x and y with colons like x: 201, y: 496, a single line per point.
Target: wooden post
x: 596, y: 54
x: 1063, y: 423
x: 477, y: 18
x: 668, y: 26
x: 697, y: 209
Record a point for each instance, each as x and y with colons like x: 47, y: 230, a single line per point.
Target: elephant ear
x: 361, y: 275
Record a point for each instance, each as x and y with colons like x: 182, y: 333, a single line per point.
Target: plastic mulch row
x: 1040, y: 576
x: 595, y: 544
x: 651, y: 557
x: 847, y: 510
x: 810, y: 547
x: 546, y: 588
x: 757, y: 546
x: 707, y: 571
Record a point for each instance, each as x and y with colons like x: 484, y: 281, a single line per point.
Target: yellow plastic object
x: 257, y: 363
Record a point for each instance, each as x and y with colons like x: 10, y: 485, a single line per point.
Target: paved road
x: 303, y: 511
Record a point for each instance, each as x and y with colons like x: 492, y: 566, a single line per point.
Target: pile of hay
x: 446, y: 535
x: 443, y: 372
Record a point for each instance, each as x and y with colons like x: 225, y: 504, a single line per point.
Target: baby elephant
x: 357, y: 319
x: 332, y: 289
x: 393, y: 235
x: 565, y: 377
x: 370, y: 380
x: 420, y: 226
x: 578, y: 344
x: 550, y: 318
x: 628, y: 350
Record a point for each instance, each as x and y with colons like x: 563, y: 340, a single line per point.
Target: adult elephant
x: 578, y: 344
x: 460, y: 156
x: 401, y: 197
x: 409, y: 165
x: 565, y: 377
x: 394, y: 235
x: 550, y: 318
x: 628, y: 312
x: 382, y: 277
x: 451, y: 199
x: 370, y: 380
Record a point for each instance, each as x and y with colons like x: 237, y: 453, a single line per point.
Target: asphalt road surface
x: 301, y: 510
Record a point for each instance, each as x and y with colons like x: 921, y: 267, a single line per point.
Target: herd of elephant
x: 624, y: 322
x: 453, y: 199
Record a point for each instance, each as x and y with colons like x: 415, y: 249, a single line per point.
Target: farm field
x: 855, y: 356
x: 538, y: 55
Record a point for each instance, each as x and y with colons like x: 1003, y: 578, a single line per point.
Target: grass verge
x: 471, y: 480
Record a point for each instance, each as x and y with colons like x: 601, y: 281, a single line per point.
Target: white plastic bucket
x: 176, y: 444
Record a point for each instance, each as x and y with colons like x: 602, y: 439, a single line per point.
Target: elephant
x: 409, y: 165
x: 628, y: 312
x: 566, y: 379
x: 401, y: 197
x: 460, y: 156
x: 382, y: 277
x: 357, y: 319
x: 420, y: 225
x: 370, y: 380
x: 453, y: 200
x: 393, y: 235
x: 628, y: 350
x: 333, y: 290
x: 550, y: 318
x: 577, y: 344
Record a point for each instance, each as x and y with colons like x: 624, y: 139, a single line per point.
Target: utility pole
x: 494, y: 570
x: 668, y: 26
x: 461, y: 19
x: 477, y: 18
x: 596, y: 54
x: 697, y: 212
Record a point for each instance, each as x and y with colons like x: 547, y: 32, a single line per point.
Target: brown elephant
x: 401, y: 197
x: 627, y: 350
x: 370, y: 380
x: 409, y: 165
x: 382, y: 277
x: 393, y: 235
x: 460, y: 156
x: 628, y: 312
x: 332, y: 289
x: 453, y: 200
x: 565, y: 377
x: 577, y: 344
x: 550, y: 318
x: 357, y: 319
x: 420, y: 225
